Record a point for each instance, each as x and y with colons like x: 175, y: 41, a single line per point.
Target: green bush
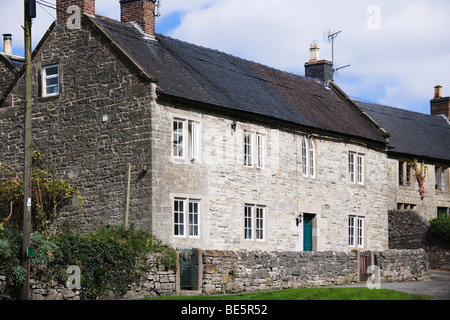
x: 105, y: 264
x: 107, y: 259
x: 441, y: 227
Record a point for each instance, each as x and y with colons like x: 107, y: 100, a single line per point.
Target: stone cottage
x: 225, y: 153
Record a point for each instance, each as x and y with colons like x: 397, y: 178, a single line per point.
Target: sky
x: 397, y: 50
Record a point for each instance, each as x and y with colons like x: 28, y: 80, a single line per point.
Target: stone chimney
x: 440, y: 105
x: 317, y: 68
x: 7, y: 43
x: 141, y: 12
x: 86, y: 7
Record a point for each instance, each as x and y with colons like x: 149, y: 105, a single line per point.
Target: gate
x: 364, y: 263
x: 186, y: 258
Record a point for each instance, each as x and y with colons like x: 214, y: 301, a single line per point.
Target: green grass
x: 311, y: 294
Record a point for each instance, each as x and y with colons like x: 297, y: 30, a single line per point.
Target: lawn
x: 311, y: 294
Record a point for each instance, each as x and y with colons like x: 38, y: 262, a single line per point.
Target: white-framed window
x: 186, y: 139
x: 254, y: 222
x: 260, y: 223
x: 50, y: 77
x: 190, y: 209
x: 312, y: 158
x: 356, y: 167
x: 179, y: 211
x: 308, y: 157
x: 260, y: 151
x: 178, y: 138
x: 248, y: 149
x: 194, y: 215
x: 248, y: 222
x: 356, y: 231
x: 360, y: 169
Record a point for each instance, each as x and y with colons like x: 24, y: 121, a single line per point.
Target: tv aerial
x: 329, y: 37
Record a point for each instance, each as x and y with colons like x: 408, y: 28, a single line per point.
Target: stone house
x: 225, y: 153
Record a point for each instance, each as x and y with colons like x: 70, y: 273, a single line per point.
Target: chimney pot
x: 7, y: 43
x: 314, y: 52
x: 438, y: 92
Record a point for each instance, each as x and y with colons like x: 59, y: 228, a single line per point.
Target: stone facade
x: 224, y: 185
x: 99, y: 122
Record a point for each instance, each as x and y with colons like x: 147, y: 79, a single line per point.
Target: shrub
x: 441, y: 227
x: 107, y: 259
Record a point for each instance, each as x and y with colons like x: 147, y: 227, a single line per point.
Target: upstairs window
x: 186, y: 139
x: 308, y: 157
x: 404, y: 174
x: 440, y: 179
x: 51, y: 80
x: 248, y: 149
x: 356, y: 167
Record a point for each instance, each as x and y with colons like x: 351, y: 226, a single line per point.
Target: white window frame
x: 178, y: 146
x: 356, y: 168
x: 260, y: 151
x: 186, y: 220
x: 356, y: 233
x: 248, y: 149
x: 304, y: 156
x: 186, y: 141
x: 308, y: 157
x: 360, y: 172
x: 248, y: 222
x: 312, y: 158
x: 194, y: 218
x: 179, y: 224
x: 46, y: 77
x: 260, y: 223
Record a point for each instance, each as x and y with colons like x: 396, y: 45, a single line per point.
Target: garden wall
x: 242, y: 271
x: 154, y: 281
x: 409, y: 230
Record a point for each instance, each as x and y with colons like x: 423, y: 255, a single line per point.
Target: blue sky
x: 398, y: 50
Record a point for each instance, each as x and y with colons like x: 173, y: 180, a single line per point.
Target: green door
x: 307, y: 233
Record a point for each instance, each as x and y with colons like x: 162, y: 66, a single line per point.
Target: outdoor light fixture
x: 299, y: 219
x: 233, y: 125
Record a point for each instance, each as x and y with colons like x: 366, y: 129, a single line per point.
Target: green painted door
x: 307, y: 233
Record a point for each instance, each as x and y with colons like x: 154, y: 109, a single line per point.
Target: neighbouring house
x: 225, y: 153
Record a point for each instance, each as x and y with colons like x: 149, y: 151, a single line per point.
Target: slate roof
x: 413, y: 134
x: 199, y: 74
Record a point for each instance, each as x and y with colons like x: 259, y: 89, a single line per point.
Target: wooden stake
x: 127, y: 197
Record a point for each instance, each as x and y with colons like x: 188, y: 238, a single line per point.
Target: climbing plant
x: 420, y: 174
x: 48, y: 194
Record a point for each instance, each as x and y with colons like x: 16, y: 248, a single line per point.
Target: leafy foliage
x: 441, y: 227
x: 107, y: 259
x: 49, y: 194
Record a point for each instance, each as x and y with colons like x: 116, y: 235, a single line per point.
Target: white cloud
x: 397, y: 64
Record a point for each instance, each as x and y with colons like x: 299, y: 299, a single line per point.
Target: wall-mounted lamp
x: 299, y: 219
x: 233, y: 125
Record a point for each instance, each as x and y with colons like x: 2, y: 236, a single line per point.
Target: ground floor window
x: 356, y: 231
x: 186, y: 213
x: 254, y: 222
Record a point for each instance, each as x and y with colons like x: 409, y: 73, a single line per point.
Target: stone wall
x: 409, y: 230
x: 99, y: 122
x: 154, y: 281
x: 403, y: 265
x: 244, y: 271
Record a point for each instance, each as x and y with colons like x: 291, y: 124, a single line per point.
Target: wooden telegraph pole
x: 30, y: 12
